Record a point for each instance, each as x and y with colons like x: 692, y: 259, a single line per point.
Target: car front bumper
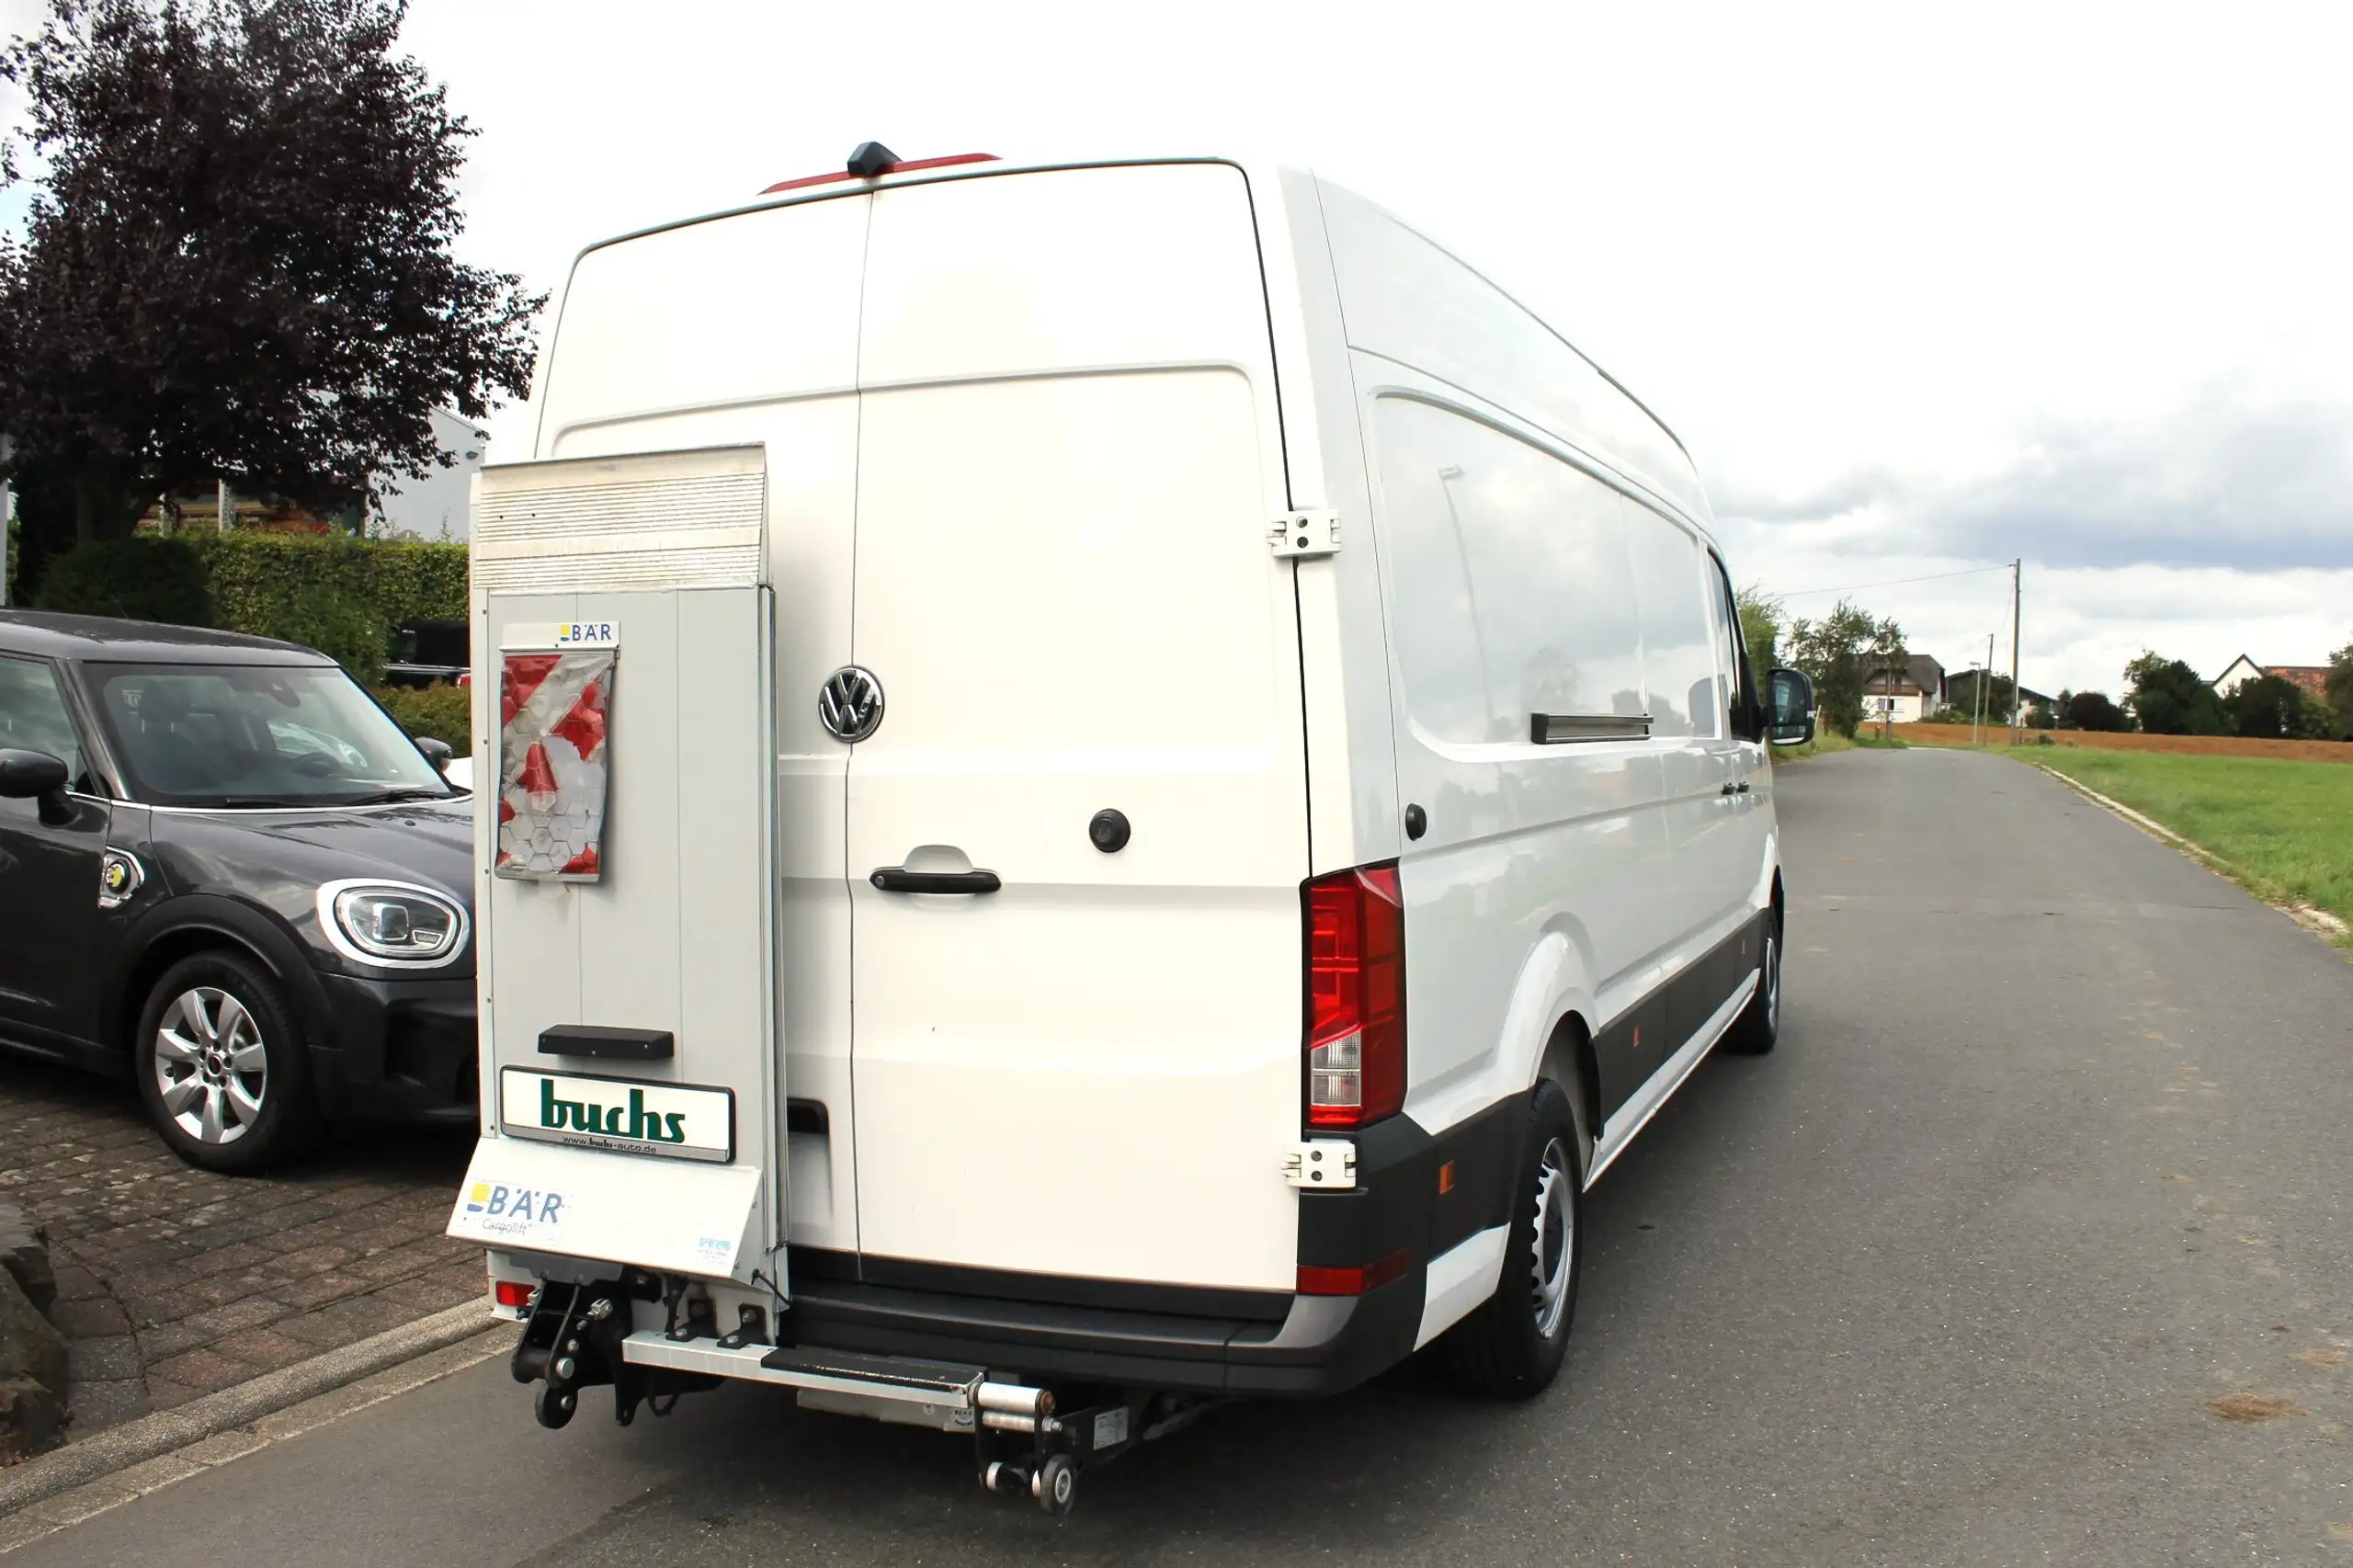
x: 398, y: 1049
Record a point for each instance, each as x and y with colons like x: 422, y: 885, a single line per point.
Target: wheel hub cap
x: 211, y: 1066
x: 1554, y: 1240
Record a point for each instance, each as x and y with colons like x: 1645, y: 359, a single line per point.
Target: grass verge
x: 1824, y: 742
x: 2282, y: 829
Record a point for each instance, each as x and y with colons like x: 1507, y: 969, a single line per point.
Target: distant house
x: 1907, y: 694
x: 2313, y: 679
x: 431, y: 506
x: 1961, y: 691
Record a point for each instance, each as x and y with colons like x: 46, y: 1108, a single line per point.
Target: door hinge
x: 1304, y: 535
x: 1327, y: 1163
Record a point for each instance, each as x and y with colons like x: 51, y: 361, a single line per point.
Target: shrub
x: 347, y: 628
x: 135, y: 579
x: 441, y: 711
x: 254, y: 574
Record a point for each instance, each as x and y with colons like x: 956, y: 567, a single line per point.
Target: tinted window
x: 1515, y: 593
x: 1678, y: 638
x: 250, y: 734
x: 33, y: 715
x: 1739, y: 674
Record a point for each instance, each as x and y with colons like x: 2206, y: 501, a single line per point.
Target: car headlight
x: 391, y: 925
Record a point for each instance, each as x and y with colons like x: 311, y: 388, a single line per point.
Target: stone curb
x: 32, y: 1402
x: 153, y: 1436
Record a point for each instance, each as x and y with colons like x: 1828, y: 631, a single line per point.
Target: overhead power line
x: 1893, y: 582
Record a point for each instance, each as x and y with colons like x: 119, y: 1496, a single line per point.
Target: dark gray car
x: 227, y: 872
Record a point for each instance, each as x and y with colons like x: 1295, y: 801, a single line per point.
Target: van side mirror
x: 437, y: 752
x: 1789, y: 700
x: 36, y: 775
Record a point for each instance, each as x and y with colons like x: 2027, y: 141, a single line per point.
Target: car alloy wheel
x: 212, y: 1065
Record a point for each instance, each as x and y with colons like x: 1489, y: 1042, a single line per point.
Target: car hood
x: 276, y: 862
x: 429, y: 842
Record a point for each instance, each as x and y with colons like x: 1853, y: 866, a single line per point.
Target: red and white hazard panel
x: 554, y: 706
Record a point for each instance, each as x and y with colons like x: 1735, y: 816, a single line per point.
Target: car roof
x: 48, y: 634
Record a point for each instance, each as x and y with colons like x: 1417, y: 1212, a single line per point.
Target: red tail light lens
x: 1354, y: 1281
x: 514, y: 1294
x: 908, y: 167
x: 1355, y: 997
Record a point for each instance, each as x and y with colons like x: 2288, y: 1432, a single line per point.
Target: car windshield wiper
x: 390, y: 797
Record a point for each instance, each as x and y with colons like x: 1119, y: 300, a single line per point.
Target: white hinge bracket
x: 1304, y: 535
x: 1328, y: 1164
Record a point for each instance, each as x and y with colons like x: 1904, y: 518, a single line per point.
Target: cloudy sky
x: 1924, y: 289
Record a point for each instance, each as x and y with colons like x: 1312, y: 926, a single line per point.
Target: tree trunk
x: 106, y: 506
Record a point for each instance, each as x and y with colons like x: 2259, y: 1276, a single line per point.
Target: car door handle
x: 898, y: 878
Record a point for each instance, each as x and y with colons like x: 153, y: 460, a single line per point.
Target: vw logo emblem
x: 850, y: 704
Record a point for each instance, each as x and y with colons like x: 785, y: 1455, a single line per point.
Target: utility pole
x: 222, y: 514
x: 2017, y: 692
x: 7, y: 515
x: 1984, y: 673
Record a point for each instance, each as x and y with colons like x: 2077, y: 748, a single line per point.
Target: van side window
x: 1679, y: 634
x: 1516, y: 595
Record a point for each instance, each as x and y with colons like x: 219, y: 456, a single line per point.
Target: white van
x: 1178, y: 775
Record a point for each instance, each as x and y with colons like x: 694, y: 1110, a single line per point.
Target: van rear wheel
x: 1512, y: 1347
x: 1758, y: 1028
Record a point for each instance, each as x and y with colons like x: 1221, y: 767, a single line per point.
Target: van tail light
x: 889, y: 167
x: 1355, y: 997
x: 515, y: 1294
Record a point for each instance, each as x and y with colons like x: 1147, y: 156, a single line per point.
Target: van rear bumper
x: 1322, y: 1345
x: 1188, y: 1339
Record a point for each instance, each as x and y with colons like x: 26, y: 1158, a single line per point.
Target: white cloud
x: 1924, y: 286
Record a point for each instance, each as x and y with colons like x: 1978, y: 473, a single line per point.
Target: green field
x: 2285, y: 829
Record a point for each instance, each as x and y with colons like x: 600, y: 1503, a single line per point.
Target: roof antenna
x: 872, y: 160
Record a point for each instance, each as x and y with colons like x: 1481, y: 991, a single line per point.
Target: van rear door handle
x: 898, y: 878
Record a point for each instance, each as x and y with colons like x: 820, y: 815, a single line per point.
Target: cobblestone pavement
x: 174, y: 1282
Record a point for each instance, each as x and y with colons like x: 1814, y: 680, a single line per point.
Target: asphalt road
x: 2055, y: 1156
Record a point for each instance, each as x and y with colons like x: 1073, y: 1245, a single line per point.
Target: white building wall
x: 433, y: 507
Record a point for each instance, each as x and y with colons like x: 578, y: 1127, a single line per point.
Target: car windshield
x: 256, y: 735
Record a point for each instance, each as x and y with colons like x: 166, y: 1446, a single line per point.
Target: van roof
x: 849, y: 181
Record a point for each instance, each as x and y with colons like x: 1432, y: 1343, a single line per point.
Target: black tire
x: 220, y: 1044
x: 1512, y: 1346
x: 1758, y: 1028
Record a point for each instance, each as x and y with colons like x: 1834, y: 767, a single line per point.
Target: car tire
x: 1512, y: 1346
x: 1758, y: 1028
x: 224, y: 1066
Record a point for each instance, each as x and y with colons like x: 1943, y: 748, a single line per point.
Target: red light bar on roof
x: 895, y: 168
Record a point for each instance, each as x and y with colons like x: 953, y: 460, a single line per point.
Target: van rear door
x: 1068, y: 456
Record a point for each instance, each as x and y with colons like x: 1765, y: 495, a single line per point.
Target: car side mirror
x: 36, y: 775
x: 437, y: 752
x: 1789, y: 700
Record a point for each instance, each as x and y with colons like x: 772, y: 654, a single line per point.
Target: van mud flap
x: 574, y: 1340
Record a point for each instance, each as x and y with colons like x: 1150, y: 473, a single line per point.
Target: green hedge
x: 441, y: 711
x: 131, y: 579
x: 255, y: 576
